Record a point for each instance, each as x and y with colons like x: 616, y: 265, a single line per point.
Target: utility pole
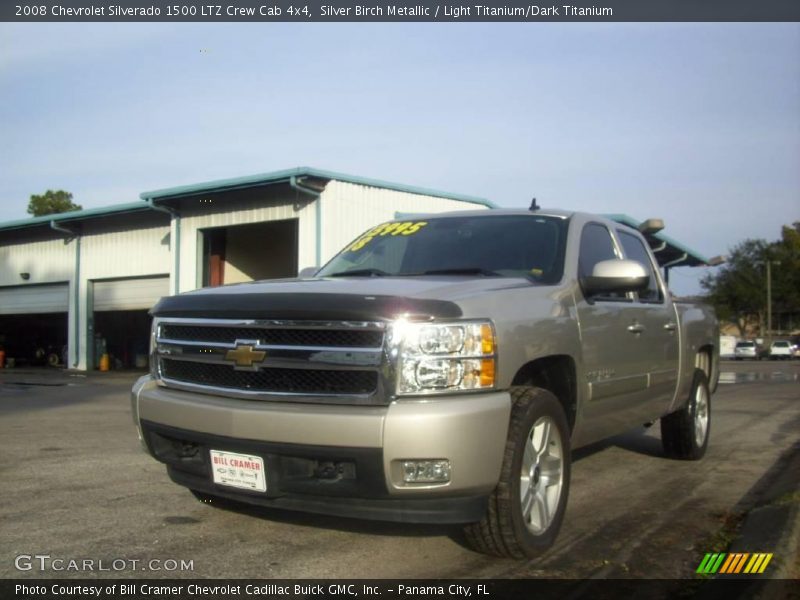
x: 769, y: 301
x: 769, y: 264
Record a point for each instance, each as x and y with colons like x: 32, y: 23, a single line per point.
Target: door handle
x: 670, y: 326
x: 636, y: 328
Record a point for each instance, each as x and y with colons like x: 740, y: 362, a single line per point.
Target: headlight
x: 153, y: 346
x: 437, y: 357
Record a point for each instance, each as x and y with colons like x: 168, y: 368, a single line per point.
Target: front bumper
x: 301, y: 443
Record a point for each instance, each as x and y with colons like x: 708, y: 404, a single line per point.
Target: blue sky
x: 696, y: 123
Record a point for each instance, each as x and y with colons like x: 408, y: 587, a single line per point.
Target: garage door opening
x: 121, y: 324
x: 124, y: 335
x: 249, y: 252
x: 34, y: 324
x: 34, y: 340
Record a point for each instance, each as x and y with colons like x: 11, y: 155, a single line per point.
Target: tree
x: 738, y: 289
x: 786, y: 275
x: 51, y: 202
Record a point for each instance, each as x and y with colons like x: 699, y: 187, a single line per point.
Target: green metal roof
x: 229, y: 184
x: 284, y: 176
x: 673, y: 254
x: 76, y: 215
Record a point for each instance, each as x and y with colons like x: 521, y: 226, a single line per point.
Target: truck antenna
x: 534, y: 206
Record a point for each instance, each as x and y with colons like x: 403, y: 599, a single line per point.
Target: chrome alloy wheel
x: 700, y: 415
x: 541, y: 477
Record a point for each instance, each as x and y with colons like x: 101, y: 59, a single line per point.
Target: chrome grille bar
x: 235, y: 358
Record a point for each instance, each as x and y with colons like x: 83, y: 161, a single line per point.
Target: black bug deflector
x: 301, y: 305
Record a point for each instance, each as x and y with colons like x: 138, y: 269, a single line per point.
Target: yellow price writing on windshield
x: 397, y: 228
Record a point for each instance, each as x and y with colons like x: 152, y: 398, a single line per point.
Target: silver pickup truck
x: 438, y: 369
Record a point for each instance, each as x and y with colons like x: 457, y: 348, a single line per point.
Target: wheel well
x: 555, y: 374
x: 702, y: 360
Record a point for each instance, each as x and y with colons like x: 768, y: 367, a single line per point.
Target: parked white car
x: 745, y: 349
x: 780, y: 349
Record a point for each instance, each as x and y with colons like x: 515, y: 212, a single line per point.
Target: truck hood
x: 339, y: 298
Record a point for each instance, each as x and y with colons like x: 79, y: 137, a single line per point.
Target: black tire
x: 682, y: 434
x: 504, y: 531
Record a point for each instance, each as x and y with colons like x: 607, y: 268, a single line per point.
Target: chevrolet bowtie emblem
x: 245, y: 355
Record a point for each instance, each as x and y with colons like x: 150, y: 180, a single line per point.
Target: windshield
x: 491, y: 246
x: 745, y: 345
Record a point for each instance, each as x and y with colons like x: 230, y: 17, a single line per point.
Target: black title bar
x: 365, y: 589
x: 338, y: 11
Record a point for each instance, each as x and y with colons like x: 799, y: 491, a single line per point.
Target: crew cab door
x: 659, y: 352
x: 614, y: 372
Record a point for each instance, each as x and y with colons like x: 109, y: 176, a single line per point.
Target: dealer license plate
x: 239, y: 470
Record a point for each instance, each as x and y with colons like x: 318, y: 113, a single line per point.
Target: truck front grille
x: 272, y: 360
x: 276, y: 337
x: 280, y: 381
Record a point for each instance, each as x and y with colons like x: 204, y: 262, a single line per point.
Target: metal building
x: 83, y: 281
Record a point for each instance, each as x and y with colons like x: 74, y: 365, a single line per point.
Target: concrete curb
x: 773, y: 525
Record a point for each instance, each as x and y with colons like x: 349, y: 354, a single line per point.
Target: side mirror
x: 620, y: 276
x: 307, y: 273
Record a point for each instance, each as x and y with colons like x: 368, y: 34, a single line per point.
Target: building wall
x: 47, y: 261
x: 143, y: 244
x: 138, y: 248
x: 229, y: 210
x: 349, y: 209
x: 49, y: 258
x: 134, y: 245
x: 116, y: 252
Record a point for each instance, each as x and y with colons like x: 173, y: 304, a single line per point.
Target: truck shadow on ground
x: 637, y: 440
x: 455, y: 532
x: 337, y: 523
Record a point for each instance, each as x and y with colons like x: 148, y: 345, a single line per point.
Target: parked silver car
x: 746, y: 349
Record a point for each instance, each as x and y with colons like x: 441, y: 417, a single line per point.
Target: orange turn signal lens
x: 487, y: 339
x: 487, y: 372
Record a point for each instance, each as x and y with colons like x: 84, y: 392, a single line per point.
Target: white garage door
x: 34, y: 299
x: 129, y: 294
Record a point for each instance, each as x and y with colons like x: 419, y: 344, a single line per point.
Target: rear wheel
x: 527, y: 507
x: 685, y: 432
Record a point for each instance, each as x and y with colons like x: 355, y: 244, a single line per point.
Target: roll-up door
x: 34, y: 299
x: 129, y: 294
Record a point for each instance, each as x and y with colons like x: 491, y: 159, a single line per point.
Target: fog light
x: 426, y: 471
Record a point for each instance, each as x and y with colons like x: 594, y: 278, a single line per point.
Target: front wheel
x: 685, y: 432
x: 527, y: 507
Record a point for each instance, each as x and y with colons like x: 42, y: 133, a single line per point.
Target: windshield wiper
x: 462, y: 271
x: 360, y: 273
